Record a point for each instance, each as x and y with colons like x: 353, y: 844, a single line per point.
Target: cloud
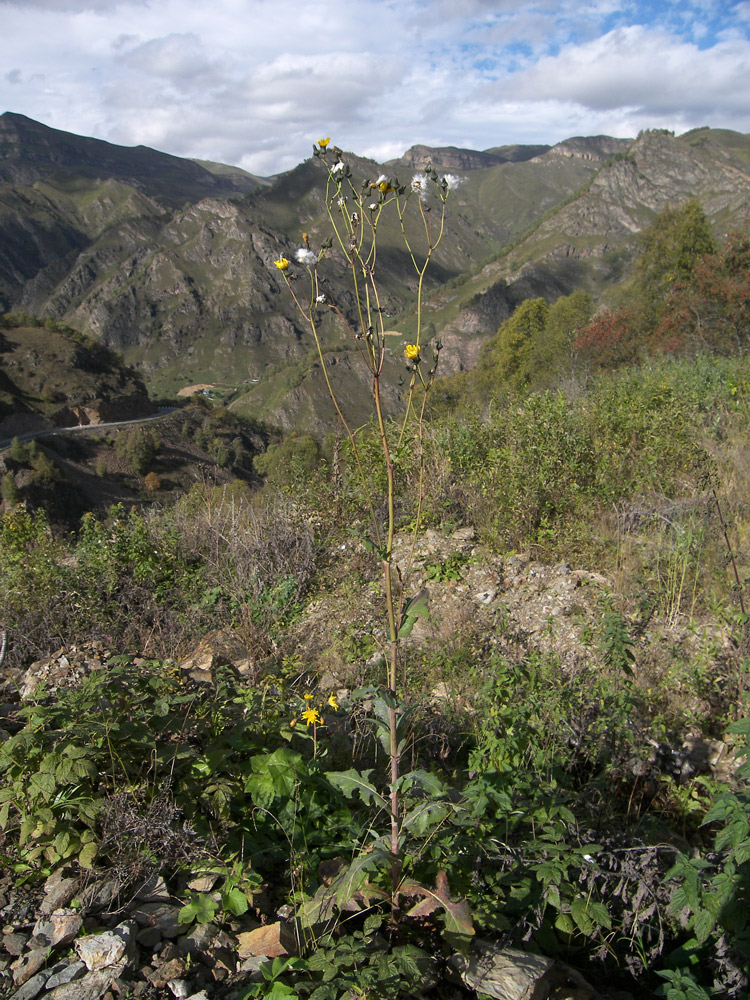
x: 255, y: 82
x: 636, y: 68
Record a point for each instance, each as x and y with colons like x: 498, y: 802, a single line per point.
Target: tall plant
x: 357, y: 213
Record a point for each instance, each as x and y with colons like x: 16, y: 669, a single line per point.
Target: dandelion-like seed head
x: 451, y: 181
x: 419, y: 186
x: 320, y: 300
x: 338, y: 168
x: 306, y: 257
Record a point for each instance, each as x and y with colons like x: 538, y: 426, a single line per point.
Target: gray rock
x: 161, y: 915
x: 65, y: 972
x: 59, y: 895
x: 99, y: 951
x: 30, y: 989
x: 26, y: 967
x: 59, y: 928
x: 92, y: 987
x: 14, y: 943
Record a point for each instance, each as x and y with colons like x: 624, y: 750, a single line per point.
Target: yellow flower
x: 412, y: 352
x: 333, y: 703
x: 324, y: 142
x: 282, y: 263
x: 307, y: 697
x: 312, y: 717
x: 293, y: 723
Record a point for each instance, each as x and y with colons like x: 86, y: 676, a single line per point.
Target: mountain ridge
x: 184, y: 284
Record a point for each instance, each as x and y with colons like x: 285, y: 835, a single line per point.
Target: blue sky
x: 256, y: 82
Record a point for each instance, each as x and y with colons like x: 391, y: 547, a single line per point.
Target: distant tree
x: 9, y: 490
x: 710, y: 308
x: 137, y: 447
x: 670, y: 248
x: 510, y: 355
x: 18, y: 452
x: 152, y: 482
x: 609, y: 339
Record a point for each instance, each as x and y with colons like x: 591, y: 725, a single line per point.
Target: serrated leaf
x: 579, y: 912
x: 703, y: 923
x: 457, y: 913
x: 353, y: 782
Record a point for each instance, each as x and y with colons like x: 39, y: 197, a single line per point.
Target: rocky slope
x: 172, y: 262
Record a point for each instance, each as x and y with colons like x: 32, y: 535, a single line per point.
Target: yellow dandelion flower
x: 307, y: 697
x: 333, y: 703
x: 324, y: 142
x: 312, y: 717
x: 282, y: 263
x: 412, y: 352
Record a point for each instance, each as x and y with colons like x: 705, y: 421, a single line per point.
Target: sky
x: 256, y: 82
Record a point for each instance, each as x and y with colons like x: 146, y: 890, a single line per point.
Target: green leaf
x: 87, y: 855
x: 579, y: 912
x: 414, y: 608
x: 703, y: 923
x: 353, y: 782
x: 235, y: 901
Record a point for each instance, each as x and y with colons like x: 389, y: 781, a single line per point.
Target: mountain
x: 170, y: 261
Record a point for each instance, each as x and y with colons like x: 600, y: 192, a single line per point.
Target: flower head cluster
x: 383, y: 184
x: 412, y: 352
x: 311, y: 715
x: 324, y: 142
x: 282, y: 263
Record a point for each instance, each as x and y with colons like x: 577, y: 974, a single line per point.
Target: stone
x: 149, y: 937
x: 26, y: 967
x: 92, y: 987
x: 14, y: 943
x: 154, y: 890
x: 198, y: 939
x: 99, y: 951
x: 58, y: 895
x: 59, y: 928
x: 171, y: 970
x: 65, y: 972
x: 32, y: 988
x: 180, y: 988
x: 271, y: 940
x: 502, y: 973
x: 161, y: 915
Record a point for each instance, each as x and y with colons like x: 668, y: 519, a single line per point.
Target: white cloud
x: 255, y: 82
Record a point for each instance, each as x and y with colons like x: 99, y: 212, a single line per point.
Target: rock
x: 149, y: 937
x: 180, y: 988
x: 510, y: 974
x: 166, y: 972
x: 198, y: 939
x: 154, y: 890
x: 486, y: 596
x: 217, y: 649
x: 32, y: 988
x: 502, y: 973
x: 161, y: 915
x: 14, y: 943
x: 271, y: 940
x: 59, y: 893
x: 93, y: 986
x: 26, y: 967
x: 59, y: 928
x: 99, y: 951
x: 65, y: 972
